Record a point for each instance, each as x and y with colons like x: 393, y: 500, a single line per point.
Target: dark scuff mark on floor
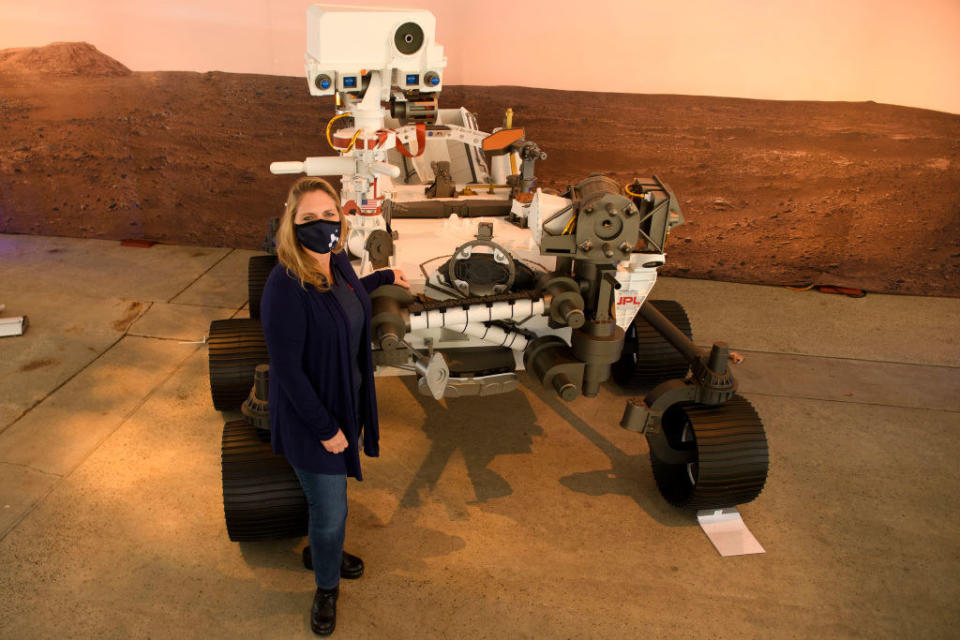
x: 40, y: 363
x: 129, y: 315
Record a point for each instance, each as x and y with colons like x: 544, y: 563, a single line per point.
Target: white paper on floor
x: 728, y: 532
x: 12, y: 326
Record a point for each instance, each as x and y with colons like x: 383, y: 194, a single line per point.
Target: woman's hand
x: 336, y: 444
x: 399, y: 279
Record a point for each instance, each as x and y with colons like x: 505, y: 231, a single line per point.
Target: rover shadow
x: 467, y: 425
x: 629, y: 475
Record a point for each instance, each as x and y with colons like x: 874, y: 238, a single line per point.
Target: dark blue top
x: 311, y: 390
x: 353, y: 310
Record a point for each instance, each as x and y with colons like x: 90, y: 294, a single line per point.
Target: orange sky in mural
x: 882, y: 50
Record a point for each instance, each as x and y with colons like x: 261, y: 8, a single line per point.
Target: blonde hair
x: 290, y: 252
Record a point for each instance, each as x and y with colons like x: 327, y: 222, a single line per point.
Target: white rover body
x: 507, y: 276
x: 386, y: 71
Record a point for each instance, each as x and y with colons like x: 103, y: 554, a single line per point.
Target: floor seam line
x: 133, y: 410
x: 62, y: 384
x: 149, y: 305
x: 853, y: 402
x: 126, y: 418
x: 32, y: 468
x: 202, y: 306
x: 194, y: 281
x: 16, y: 523
x: 183, y: 340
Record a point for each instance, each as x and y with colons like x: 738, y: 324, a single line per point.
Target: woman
x: 316, y: 319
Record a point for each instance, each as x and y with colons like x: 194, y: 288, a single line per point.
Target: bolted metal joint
x: 389, y: 318
x: 550, y: 360
x: 715, y: 381
x: 640, y: 418
x: 256, y: 409
x: 566, y: 302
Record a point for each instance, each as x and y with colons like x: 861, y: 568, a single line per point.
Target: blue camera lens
x: 350, y: 81
x: 324, y: 84
x: 413, y: 78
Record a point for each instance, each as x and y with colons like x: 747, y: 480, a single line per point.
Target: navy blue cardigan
x: 311, y: 394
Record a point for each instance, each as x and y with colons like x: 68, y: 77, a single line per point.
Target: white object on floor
x: 12, y: 326
x: 728, y: 532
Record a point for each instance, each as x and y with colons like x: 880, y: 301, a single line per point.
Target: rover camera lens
x: 408, y: 38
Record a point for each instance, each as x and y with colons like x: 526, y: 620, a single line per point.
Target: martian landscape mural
x: 861, y: 195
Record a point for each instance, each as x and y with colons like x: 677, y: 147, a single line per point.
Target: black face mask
x: 320, y: 236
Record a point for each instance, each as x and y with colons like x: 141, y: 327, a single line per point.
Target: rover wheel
x: 236, y: 347
x: 258, y: 270
x: 728, y: 458
x: 262, y: 498
x: 647, y: 358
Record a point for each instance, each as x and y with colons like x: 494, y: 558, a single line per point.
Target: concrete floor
x: 514, y: 517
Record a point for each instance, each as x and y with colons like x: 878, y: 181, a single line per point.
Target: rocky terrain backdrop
x: 858, y: 194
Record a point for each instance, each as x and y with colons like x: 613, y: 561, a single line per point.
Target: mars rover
x: 507, y: 276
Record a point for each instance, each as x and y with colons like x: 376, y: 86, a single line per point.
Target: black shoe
x: 323, y: 615
x: 351, y: 567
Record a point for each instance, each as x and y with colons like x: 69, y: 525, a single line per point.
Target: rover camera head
x: 345, y: 43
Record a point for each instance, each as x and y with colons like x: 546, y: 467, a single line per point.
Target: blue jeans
x: 327, y: 502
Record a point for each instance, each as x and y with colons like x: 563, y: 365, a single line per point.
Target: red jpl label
x: 628, y: 300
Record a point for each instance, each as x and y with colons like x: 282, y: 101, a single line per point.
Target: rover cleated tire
x: 236, y: 347
x: 262, y: 498
x: 258, y: 270
x: 647, y: 358
x: 730, y: 461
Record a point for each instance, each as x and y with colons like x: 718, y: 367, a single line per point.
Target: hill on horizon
x: 62, y: 58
